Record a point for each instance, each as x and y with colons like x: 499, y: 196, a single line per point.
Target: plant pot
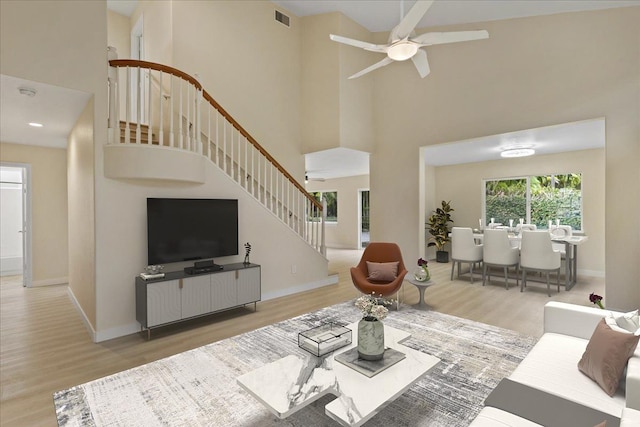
x: 442, y: 256
x: 370, y: 339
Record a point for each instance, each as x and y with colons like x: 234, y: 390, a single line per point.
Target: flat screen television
x: 191, y: 229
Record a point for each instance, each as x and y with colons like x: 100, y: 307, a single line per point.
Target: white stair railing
x: 169, y: 109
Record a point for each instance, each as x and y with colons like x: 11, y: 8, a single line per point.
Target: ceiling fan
x: 403, y: 44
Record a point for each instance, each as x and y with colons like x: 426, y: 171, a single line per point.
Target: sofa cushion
x: 493, y: 417
x: 624, y: 322
x: 551, y: 366
x: 382, y: 271
x: 606, y: 356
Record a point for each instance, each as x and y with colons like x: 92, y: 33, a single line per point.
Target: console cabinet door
x: 248, y: 285
x: 163, y: 302
x: 223, y: 290
x: 196, y: 296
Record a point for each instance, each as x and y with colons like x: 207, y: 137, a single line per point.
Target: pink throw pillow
x: 382, y: 271
x: 606, y: 356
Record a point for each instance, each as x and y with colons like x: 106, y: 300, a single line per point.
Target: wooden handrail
x: 157, y: 67
x: 225, y: 114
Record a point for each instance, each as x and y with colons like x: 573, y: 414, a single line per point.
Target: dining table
x: 571, y: 244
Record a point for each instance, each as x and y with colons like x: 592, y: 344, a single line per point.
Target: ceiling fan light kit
x: 404, y: 45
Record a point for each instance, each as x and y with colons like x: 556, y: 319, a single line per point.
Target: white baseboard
x: 50, y: 282
x: 330, y: 280
x: 117, y: 332
x: 593, y: 273
x: 83, y: 315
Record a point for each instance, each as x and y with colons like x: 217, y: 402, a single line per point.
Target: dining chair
x: 522, y: 227
x: 498, y: 252
x: 537, y: 254
x: 464, y: 249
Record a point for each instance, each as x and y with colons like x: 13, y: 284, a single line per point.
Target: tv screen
x: 191, y: 229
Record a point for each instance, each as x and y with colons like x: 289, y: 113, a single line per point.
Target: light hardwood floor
x: 44, y: 346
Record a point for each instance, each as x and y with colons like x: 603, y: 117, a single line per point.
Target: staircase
x: 183, y: 116
x: 144, y: 137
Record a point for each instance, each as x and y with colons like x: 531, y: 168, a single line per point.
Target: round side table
x: 421, y: 287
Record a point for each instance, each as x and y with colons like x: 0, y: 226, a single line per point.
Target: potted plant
x: 438, y: 226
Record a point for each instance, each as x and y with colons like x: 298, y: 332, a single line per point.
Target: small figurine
x: 247, y: 248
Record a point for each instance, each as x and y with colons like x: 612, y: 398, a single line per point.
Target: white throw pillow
x: 624, y: 322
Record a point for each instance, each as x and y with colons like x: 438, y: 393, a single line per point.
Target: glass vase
x: 370, y: 339
x: 421, y: 274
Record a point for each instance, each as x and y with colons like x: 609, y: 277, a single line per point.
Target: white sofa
x: 552, y: 366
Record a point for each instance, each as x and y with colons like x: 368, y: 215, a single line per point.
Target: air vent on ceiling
x: 282, y: 18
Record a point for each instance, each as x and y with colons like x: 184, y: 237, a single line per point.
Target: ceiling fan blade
x: 357, y: 43
x: 411, y: 19
x: 421, y: 63
x: 385, y: 61
x: 428, y: 39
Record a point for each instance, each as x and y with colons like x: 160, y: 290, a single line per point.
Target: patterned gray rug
x: 198, y: 387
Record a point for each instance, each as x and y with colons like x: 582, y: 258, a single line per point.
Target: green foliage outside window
x: 552, y: 197
x: 332, y: 203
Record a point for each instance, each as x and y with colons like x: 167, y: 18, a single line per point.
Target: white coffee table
x: 421, y: 288
x: 293, y: 382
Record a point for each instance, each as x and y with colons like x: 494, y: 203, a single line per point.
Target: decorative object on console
x: 596, y: 299
x: 421, y: 274
x: 370, y: 327
x: 438, y: 226
x: 324, y: 339
x: 247, y: 251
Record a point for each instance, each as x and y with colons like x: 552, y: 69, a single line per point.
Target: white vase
x: 370, y: 339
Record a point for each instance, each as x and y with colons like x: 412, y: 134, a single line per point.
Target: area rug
x: 198, y: 387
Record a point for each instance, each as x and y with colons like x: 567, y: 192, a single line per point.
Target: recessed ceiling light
x: 518, y: 152
x: 36, y: 125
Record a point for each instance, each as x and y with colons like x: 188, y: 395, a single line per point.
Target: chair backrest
x: 463, y: 246
x: 561, y: 231
x: 522, y: 227
x: 497, y: 248
x: 381, y: 252
x: 537, y: 252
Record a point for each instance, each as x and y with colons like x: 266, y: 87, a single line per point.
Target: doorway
x: 15, y: 221
x: 363, y: 219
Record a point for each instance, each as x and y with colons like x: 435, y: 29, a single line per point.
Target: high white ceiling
x: 56, y: 108
x: 383, y: 15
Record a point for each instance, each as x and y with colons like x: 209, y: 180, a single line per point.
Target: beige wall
x: 48, y: 209
x: 514, y: 81
x: 463, y: 186
x: 256, y: 78
x: 81, y: 201
x: 320, y: 83
x: 119, y: 33
x: 62, y: 43
x: 345, y: 232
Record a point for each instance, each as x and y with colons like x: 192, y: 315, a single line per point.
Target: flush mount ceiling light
x: 517, y: 152
x: 36, y: 125
x: 27, y: 91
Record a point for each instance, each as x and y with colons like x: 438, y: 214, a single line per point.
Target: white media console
x: 180, y: 296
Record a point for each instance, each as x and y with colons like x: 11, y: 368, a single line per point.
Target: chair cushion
x: 606, y: 356
x: 382, y: 271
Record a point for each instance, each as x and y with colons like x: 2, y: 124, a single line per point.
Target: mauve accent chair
x: 378, y: 252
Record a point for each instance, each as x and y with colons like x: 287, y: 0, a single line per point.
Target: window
x: 332, y: 203
x: 535, y: 199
